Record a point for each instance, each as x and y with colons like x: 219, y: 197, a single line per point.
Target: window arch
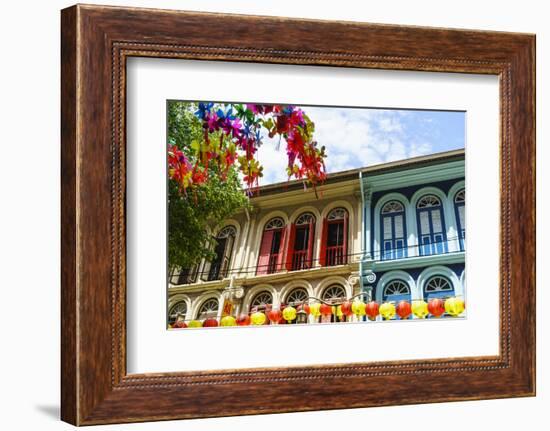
x: 297, y: 296
x: 208, y: 309
x: 334, y: 239
x: 262, y: 301
x: 270, y: 258
x: 179, y: 309
x: 300, y: 244
x: 438, y: 286
x: 432, y: 238
x: 334, y: 293
x: 396, y: 290
x: 225, y: 241
x: 393, y: 228
x: 460, y: 213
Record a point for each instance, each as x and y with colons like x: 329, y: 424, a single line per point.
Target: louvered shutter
x: 323, y: 250
x: 265, y: 251
x: 290, y: 248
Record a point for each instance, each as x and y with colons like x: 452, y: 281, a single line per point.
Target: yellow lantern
x: 315, y: 309
x: 420, y: 308
x: 387, y: 310
x: 195, y: 324
x: 454, y: 306
x: 358, y: 308
x: 258, y: 318
x: 339, y: 313
x: 289, y: 313
x: 228, y: 321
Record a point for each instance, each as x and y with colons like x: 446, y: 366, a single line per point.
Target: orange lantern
x: 180, y: 324
x: 210, y: 323
x: 403, y: 309
x: 436, y: 307
x: 345, y: 308
x: 372, y: 309
x: 243, y: 320
x: 274, y: 316
x: 326, y: 310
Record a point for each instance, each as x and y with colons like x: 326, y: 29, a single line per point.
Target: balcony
x: 335, y: 255
x: 300, y: 260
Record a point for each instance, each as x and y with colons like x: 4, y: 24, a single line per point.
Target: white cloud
x: 356, y: 138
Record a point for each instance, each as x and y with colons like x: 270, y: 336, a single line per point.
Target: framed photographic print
x: 258, y: 224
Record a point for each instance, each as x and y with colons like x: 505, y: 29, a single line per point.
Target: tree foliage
x: 193, y: 215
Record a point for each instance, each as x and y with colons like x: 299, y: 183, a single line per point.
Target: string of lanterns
x: 436, y: 307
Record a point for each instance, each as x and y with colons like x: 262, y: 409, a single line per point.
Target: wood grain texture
x: 96, y: 41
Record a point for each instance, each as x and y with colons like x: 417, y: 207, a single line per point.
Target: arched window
x: 300, y: 244
x: 396, y: 290
x: 225, y: 241
x: 334, y: 240
x: 270, y: 259
x: 261, y: 302
x: 438, y: 286
x: 334, y: 294
x: 431, y: 226
x: 208, y: 309
x: 393, y: 231
x: 179, y: 309
x: 297, y: 296
x: 460, y: 202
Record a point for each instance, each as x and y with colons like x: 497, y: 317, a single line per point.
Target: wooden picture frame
x: 95, y: 43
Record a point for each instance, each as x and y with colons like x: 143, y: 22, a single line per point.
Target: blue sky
x: 358, y: 137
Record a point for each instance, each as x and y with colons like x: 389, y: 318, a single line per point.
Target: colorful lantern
x: 306, y: 309
x: 289, y: 314
x: 358, y: 308
x: 372, y: 309
x: 315, y: 309
x: 339, y: 313
x: 210, y: 323
x: 228, y: 321
x: 243, y: 320
x: 420, y: 308
x: 454, y: 306
x: 195, y: 324
x: 179, y: 324
x: 387, y: 310
x: 403, y: 309
x: 326, y: 310
x: 274, y: 316
x: 345, y: 308
x: 258, y: 318
x: 436, y: 307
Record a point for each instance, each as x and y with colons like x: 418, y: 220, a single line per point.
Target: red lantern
x: 372, y: 309
x: 346, y: 308
x: 179, y: 324
x: 436, y: 307
x: 210, y: 323
x: 326, y: 310
x: 243, y: 320
x: 403, y: 309
x: 274, y: 316
x: 306, y: 309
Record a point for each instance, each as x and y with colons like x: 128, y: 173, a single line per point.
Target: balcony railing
x: 300, y: 260
x: 273, y: 266
x: 219, y: 270
x: 336, y: 255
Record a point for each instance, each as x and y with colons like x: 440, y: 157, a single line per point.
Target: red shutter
x: 323, y: 250
x: 345, y: 250
x: 265, y: 251
x: 311, y: 241
x: 290, y: 248
x: 280, y: 259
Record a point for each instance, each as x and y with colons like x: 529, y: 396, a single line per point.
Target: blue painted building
x: 413, y: 227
